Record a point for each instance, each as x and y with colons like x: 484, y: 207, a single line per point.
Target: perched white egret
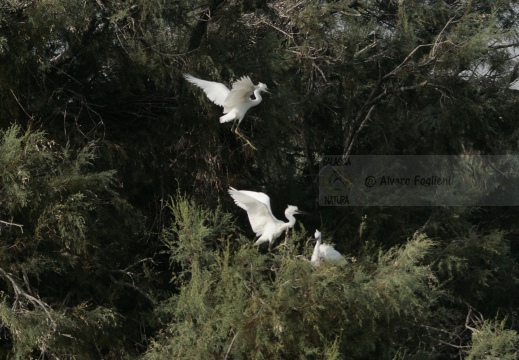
x: 236, y: 102
x: 263, y: 223
x: 324, y: 252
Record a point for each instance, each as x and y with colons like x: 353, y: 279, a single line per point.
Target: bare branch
x: 386, y: 93
x: 357, y: 132
x: 139, y: 262
x: 20, y: 105
x: 437, y: 42
x: 371, y: 102
x: 404, y: 62
x: 132, y: 286
x: 230, y: 345
x: 503, y: 46
x: 18, y: 290
x: 12, y: 224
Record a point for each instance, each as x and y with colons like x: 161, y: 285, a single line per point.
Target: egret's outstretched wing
x: 216, y: 92
x: 257, y: 205
x: 243, y: 84
x: 241, y: 92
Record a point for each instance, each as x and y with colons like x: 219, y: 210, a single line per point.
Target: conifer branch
x: 18, y: 290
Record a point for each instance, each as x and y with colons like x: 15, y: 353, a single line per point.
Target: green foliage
x: 21, y: 156
x: 278, y: 305
x: 50, y: 333
x: 477, y: 262
x: 58, y: 250
x: 493, y: 340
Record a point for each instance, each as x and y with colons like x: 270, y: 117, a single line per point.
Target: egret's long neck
x: 291, y: 221
x: 315, y: 254
x: 257, y: 96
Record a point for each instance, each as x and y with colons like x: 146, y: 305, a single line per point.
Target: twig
x: 12, y: 224
x: 139, y: 262
x: 437, y: 41
x: 386, y: 93
x: 230, y: 346
x: 401, y: 65
x: 127, y: 284
x: 371, y: 102
x: 19, y: 104
x: 290, y: 36
x: 18, y: 290
x: 361, y: 126
x: 503, y: 46
x: 462, y: 347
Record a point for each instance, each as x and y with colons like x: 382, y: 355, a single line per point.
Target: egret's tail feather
x: 227, y: 118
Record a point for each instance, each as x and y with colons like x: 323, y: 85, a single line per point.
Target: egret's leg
x: 247, y: 141
x: 285, y: 246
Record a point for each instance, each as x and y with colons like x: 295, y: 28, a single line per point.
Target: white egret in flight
x: 324, y: 252
x: 236, y: 102
x: 263, y: 223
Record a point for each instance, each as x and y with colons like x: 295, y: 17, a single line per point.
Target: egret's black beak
x: 299, y: 212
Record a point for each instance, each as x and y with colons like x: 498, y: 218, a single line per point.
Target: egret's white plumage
x: 237, y: 101
x: 324, y: 252
x: 263, y: 223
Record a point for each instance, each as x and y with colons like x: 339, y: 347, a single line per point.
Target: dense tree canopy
x: 118, y: 239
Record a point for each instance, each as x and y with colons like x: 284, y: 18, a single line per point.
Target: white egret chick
x: 263, y: 223
x: 236, y: 102
x: 324, y: 252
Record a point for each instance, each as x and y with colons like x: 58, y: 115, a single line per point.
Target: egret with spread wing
x: 324, y: 252
x: 236, y: 102
x: 263, y: 223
